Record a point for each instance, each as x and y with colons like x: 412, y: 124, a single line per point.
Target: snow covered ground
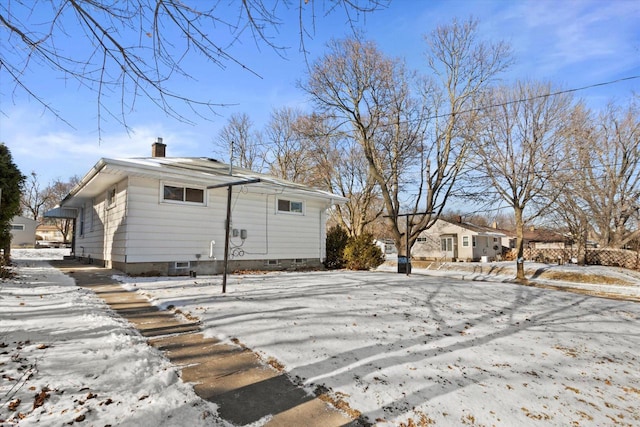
x: 66, y: 359
x: 449, y: 348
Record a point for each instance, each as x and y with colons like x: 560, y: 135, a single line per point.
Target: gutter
x: 85, y: 180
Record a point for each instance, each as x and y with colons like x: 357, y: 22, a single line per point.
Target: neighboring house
x: 387, y: 247
x: 49, y: 236
x: 539, y: 238
x: 545, y: 239
x: 23, y: 232
x: 458, y: 241
x: 162, y: 215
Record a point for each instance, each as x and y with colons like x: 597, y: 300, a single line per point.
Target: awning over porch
x: 59, y: 212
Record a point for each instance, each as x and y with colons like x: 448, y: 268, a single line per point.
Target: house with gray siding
x: 23, y: 232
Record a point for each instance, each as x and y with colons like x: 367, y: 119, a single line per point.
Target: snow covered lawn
x: 66, y: 359
x: 418, y: 350
x: 431, y: 349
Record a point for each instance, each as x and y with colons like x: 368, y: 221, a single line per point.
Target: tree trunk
x: 519, y: 245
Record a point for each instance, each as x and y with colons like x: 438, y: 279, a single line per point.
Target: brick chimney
x: 158, y: 149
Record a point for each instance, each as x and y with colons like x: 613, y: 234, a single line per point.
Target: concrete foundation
x: 208, y: 267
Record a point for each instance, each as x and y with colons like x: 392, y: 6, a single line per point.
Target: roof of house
x: 197, y: 170
x: 539, y: 235
x: 486, y: 231
x: 44, y: 228
x: 19, y: 219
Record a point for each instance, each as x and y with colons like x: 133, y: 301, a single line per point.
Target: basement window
x: 179, y: 194
x: 182, y: 265
x: 289, y: 206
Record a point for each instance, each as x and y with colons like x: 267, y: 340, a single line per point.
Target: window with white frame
x: 182, y: 194
x: 290, y: 206
x: 473, y: 241
x: 17, y: 227
x: 465, y: 241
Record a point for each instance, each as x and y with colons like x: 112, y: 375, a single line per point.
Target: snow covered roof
x: 197, y: 170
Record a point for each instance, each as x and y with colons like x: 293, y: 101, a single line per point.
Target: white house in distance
x: 23, y: 232
x: 163, y: 215
x: 458, y: 241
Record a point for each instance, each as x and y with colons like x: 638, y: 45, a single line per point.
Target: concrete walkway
x: 233, y: 377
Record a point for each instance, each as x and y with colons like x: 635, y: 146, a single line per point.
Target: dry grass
x: 337, y: 401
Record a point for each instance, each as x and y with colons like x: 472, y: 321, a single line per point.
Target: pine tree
x: 11, y: 181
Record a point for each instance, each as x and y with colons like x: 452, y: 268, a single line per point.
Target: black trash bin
x: 404, y: 265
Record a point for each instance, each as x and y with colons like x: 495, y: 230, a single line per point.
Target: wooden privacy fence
x: 595, y: 256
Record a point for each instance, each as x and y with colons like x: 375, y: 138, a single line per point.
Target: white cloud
x: 55, y: 151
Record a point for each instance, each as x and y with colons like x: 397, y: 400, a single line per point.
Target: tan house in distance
x: 458, y: 241
x: 49, y: 236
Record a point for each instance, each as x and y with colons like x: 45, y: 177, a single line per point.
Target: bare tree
x: 243, y: 143
x: 414, y: 161
x: 309, y: 149
x: 56, y: 192
x: 605, y: 172
x: 137, y: 48
x: 289, y: 156
x: 519, y: 150
x: 341, y: 166
x: 35, y: 199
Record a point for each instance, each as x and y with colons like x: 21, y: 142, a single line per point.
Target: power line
x: 547, y: 95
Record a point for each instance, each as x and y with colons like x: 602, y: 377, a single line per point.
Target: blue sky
x: 570, y: 43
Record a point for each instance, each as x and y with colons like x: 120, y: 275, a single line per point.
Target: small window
x: 182, y: 194
x: 17, y: 227
x: 111, y: 197
x: 289, y: 206
x: 421, y: 239
x: 473, y: 241
x: 465, y: 241
x: 81, y: 222
x: 181, y: 265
